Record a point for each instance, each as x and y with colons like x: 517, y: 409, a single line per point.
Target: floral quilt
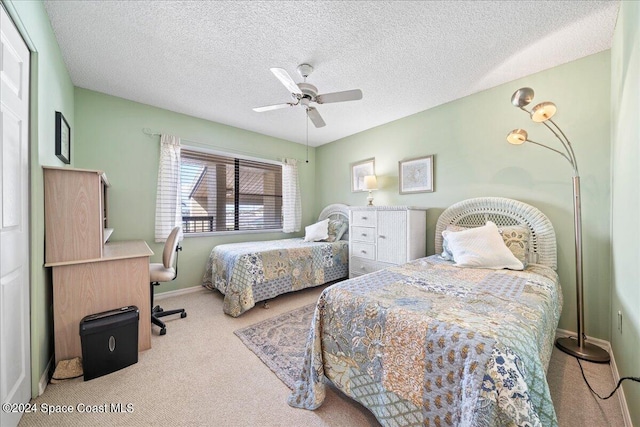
x: 255, y: 271
x: 432, y: 344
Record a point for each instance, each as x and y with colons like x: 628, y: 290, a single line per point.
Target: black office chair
x: 165, y: 272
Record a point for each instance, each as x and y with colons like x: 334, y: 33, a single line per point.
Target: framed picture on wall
x: 416, y: 175
x: 358, y: 171
x: 63, y: 138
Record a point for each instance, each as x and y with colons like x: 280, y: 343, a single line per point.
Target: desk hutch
x: 90, y: 275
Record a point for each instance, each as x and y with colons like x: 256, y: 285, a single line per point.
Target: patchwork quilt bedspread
x: 433, y: 344
x: 255, y: 271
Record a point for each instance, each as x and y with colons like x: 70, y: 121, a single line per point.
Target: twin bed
x: 246, y: 273
x: 434, y: 344
x: 426, y: 343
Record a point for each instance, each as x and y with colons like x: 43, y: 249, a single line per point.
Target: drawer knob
x: 364, y: 217
x: 362, y: 267
x: 364, y: 234
x: 381, y: 237
x: 363, y: 251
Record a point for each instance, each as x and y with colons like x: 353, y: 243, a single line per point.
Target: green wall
x: 51, y: 91
x: 625, y: 178
x: 473, y: 159
x: 109, y: 137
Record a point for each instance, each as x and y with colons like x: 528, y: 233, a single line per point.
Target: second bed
x: 249, y: 272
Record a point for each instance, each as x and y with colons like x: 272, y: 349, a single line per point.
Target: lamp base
x: 370, y: 199
x: 588, y: 351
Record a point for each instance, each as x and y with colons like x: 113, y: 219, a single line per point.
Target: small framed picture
x: 63, y: 138
x: 416, y: 175
x: 358, y: 171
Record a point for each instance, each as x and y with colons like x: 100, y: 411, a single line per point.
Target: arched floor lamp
x: 542, y: 113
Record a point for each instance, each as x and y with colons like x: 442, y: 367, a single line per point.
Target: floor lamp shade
x: 542, y: 113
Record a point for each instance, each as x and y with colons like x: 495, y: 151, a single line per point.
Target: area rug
x: 280, y: 342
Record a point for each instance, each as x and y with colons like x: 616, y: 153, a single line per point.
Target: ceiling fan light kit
x: 305, y: 93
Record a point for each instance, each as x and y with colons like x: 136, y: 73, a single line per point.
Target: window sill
x: 231, y: 233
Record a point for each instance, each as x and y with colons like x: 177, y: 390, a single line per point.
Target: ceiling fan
x: 305, y: 93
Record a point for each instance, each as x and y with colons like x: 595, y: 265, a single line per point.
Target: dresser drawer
x: 363, y: 250
x: 359, y: 266
x: 363, y: 234
x: 363, y: 218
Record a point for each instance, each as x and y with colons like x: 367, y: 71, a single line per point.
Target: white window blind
x: 221, y: 193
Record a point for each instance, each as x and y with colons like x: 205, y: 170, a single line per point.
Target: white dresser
x: 383, y: 236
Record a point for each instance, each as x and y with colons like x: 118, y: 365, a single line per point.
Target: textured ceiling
x: 211, y: 59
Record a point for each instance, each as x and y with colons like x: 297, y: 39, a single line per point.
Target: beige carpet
x: 201, y: 374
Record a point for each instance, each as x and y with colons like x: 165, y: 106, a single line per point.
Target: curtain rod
x: 150, y: 132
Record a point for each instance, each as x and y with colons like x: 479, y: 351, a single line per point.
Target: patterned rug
x: 280, y: 342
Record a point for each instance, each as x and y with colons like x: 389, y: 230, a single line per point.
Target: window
x: 221, y: 193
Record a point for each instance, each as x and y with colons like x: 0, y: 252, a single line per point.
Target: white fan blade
x: 272, y: 107
x: 347, y: 95
x: 286, y: 80
x: 315, y: 117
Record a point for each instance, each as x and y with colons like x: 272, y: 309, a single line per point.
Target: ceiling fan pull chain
x: 307, y: 121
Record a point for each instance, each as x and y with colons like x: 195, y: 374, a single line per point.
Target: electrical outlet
x: 620, y: 321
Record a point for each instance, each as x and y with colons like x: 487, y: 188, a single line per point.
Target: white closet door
x: 392, y: 236
x: 15, y: 369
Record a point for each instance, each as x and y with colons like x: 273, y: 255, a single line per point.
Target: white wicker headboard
x: 503, y: 212
x: 336, y: 211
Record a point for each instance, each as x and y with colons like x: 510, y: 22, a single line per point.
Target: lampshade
x: 543, y: 111
x: 522, y: 97
x: 370, y: 182
x: 517, y: 136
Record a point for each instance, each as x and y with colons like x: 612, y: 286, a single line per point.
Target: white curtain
x: 291, y: 202
x: 168, y: 212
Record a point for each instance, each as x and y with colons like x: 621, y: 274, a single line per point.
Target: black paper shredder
x: 109, y: 341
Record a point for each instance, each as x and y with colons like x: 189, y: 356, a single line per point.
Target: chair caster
x: 163, y: 331
x: 183, y: 314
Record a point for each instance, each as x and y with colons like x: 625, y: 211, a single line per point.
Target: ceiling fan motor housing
x: 308, y: 91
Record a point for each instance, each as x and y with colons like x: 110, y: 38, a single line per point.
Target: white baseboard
x: 177, y: 292
x: 614, y: 371
x: 602, y: 343
x: 44, y: 378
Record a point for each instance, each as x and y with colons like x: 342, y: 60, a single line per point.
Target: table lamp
x: 370, y: 183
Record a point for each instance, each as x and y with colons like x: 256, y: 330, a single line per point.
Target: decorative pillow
x: 515, y: 237
x: 337, y: 228
x: 481, y: 247
x: 317, y: 231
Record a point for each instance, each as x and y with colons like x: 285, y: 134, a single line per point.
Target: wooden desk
x: 118, y: 278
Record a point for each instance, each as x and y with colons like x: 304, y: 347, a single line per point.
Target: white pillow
x: 317, y: 231
x: 481, y: 247
x: 515, y: 237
